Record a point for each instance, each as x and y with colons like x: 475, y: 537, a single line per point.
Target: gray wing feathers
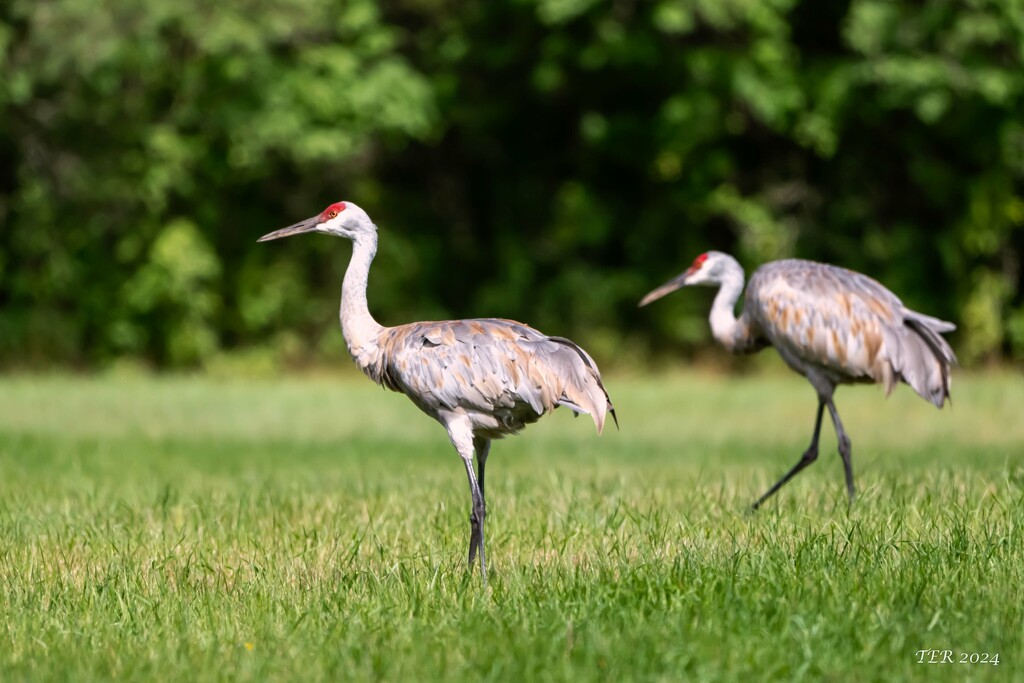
x: 850, y: 325
x: 491, y: 368
x: 933, y: 324
x: 927, y: 357
x: 599, y: 401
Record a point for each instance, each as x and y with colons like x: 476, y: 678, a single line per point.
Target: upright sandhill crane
x: 481, y: 379
x: 832, y: 325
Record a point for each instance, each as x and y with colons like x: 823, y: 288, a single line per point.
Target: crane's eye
x: 332, y: 214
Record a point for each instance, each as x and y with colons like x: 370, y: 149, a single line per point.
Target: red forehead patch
x: 332, y: 211
x: 699, y: 261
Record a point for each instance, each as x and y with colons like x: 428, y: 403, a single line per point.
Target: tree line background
x: 545, y: 160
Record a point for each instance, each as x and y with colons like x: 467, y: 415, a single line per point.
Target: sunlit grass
x: 191, y: 529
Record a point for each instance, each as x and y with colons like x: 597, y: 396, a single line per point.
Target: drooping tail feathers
x: 585, y: 392
x: 927, y: 357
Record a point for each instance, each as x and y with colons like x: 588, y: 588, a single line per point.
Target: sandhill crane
x: 481, y: 379
x: 832, y: 325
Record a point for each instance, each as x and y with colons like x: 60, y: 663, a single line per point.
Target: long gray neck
x: 727, y: 330
x: 357, y: 325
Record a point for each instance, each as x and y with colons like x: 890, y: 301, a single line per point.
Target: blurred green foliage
x: 546, y: 160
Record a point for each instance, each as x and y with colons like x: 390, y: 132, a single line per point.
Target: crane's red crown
x: 332, y: 211
x: 698, y: 262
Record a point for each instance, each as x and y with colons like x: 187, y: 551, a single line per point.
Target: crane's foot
x: 809, y: 456
x: 851, y: 498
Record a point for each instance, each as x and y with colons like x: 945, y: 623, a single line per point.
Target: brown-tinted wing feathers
x: 490, y: 365
x: 826, y: 315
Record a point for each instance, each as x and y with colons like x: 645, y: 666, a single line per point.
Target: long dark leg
x: 809, y: 456
x: 460, y: 431
x: 476, y: 520
x: 844, y: 449
x: 482, y: 447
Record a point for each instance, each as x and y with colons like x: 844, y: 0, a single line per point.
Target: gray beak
x: 307, y: 225
x: 678, y: 282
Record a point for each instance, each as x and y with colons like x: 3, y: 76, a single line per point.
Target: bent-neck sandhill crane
x: 832, y: 325
x: 481, y: 379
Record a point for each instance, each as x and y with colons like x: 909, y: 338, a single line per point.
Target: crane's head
x: 707, y: 269
x: 344, y: 219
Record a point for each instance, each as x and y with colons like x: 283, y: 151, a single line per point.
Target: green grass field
x: 315, y: 529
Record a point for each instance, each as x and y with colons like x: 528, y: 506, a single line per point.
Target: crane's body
x: 832, y: 325
x: 837, y: 326
x: 501, y: 374
x: 481, y: 379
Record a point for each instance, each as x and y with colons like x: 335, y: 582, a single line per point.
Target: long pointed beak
x: 678, y: 282
x: 307, y: 225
